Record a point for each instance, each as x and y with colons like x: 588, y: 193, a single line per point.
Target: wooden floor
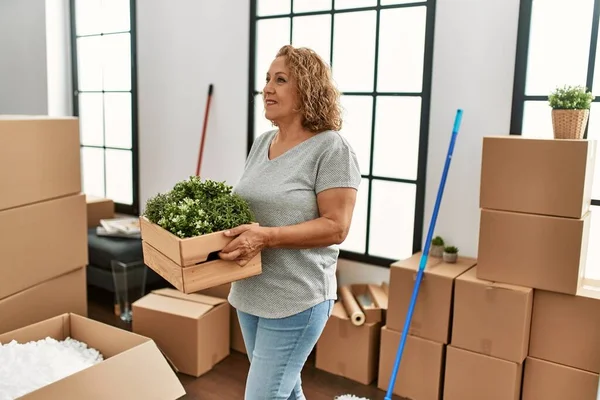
x: 226, y: 381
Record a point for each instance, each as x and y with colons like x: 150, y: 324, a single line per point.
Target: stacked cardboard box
x: 535, y: 215
x: 43, y: 235
x: 421, y: 371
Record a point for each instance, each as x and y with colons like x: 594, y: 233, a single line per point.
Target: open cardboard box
x: 372, y: 300
x: 185, y: 262
x: 193, y: 330
x: 133, y: 366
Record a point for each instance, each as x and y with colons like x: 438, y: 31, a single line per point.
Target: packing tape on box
x: 351, y: 306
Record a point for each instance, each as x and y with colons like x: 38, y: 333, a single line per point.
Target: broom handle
x: 210, y: 90
x: 424, y: 256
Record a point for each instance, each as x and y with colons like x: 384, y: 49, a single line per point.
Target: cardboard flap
x: 195, y: 297
x: 173, y: 306
x: 57, y: 328
x: 339, y: 311
x: 139, y: 373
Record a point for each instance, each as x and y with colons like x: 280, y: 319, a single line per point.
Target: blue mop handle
x: 424, y: 256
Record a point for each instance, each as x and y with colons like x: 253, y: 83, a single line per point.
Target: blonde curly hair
x: 318, y: 96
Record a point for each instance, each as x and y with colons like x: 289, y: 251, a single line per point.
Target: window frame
x: 424, y: 94
x: 128, y: 209
x: 521, y: 59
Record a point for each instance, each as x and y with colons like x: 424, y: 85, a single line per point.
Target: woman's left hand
x: 250, y: 240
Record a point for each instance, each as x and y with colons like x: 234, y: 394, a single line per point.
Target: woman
x: 301, y: 181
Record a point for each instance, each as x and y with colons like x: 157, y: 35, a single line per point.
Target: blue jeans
x: 277, y: 350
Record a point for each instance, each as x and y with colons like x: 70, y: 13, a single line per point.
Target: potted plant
x: 183, y: 230
x: 450, y: 254
x: 437, y: 247
x: 570, y: 111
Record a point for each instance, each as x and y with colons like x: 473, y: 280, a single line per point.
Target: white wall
x: 181, y: 50
x: 473, y: 69
x: 58, y: 55
x: 23, y: 82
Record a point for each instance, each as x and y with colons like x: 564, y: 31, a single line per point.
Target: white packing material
x: 350, y: 397
x: 26, y: 367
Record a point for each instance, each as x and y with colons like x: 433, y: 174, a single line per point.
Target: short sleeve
x: 338, y: 167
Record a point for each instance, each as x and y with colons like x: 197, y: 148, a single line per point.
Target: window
x: 548, y: 57
x: 104, y: 98
x: 380, y: 52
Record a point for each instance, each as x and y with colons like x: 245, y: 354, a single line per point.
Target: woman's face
x: 280, y: 98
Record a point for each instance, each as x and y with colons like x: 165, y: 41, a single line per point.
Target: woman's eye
x: 281, y: 80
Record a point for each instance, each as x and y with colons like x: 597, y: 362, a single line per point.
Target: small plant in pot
x: 570, y: 111
x: 437, y: 247
x: 450, y: 254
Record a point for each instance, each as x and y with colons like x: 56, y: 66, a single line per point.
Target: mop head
x: 349, y: 397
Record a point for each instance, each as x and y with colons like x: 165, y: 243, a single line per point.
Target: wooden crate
x: 184, y: 262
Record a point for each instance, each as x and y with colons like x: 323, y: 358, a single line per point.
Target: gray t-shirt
x: 283, y: 191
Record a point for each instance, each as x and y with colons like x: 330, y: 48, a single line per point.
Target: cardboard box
x: 432, y: 315
x: 348, y: 350
x: 566, y: 330
x: 39, y: 159
x: 475, y: 376
x: 186, y: 264
x: 534, y: 251
x: 41, y: 241
x: 421, y: 371
x: 491, y: 318
x: 372, y: 300
x: 133, y: 367
x: 541, y: 176
x: 99, y: 208
x: 64, y: 294
x: 237, y: 339
x: 191, y: 329
x: 544, y: 380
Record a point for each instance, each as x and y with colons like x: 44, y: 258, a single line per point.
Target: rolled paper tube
x: 352, y: 308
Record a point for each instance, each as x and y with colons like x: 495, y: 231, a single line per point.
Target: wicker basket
x: 569, y: 124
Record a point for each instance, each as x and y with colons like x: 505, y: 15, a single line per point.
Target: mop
x: 424, y: 256
x: 423, y: 262
x: 200, y: 155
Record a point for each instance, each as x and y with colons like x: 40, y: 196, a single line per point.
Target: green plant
x: 195, y: 207
x: 451, y: 249
x: 570, y: 98
x: 437, y: 241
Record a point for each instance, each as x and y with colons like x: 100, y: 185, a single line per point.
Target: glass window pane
x: 119, y: 176
x: 261, y: 124
x: 354, y: 50
x: 392, y: 219
x: 92, y: 171
x: 357, y: 115
x: 357, y: 236
x: 392, y: 2
x: 87, y: 21
x: 594, y: 134
x: 91, y: 125
x: 559, y: 44
x: 592, y: 267
x: 397, y: 132
x: 311, y: 5
x: 272, y: 7
x: 537, y: 120
x: 117, y: 62
x: 89, y: 63
x: 346, y: 4
x: 271, y: 35
x: 313, y: 32
x: 401, y: 49
x: 117, y: 114
x: 115, y: 16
